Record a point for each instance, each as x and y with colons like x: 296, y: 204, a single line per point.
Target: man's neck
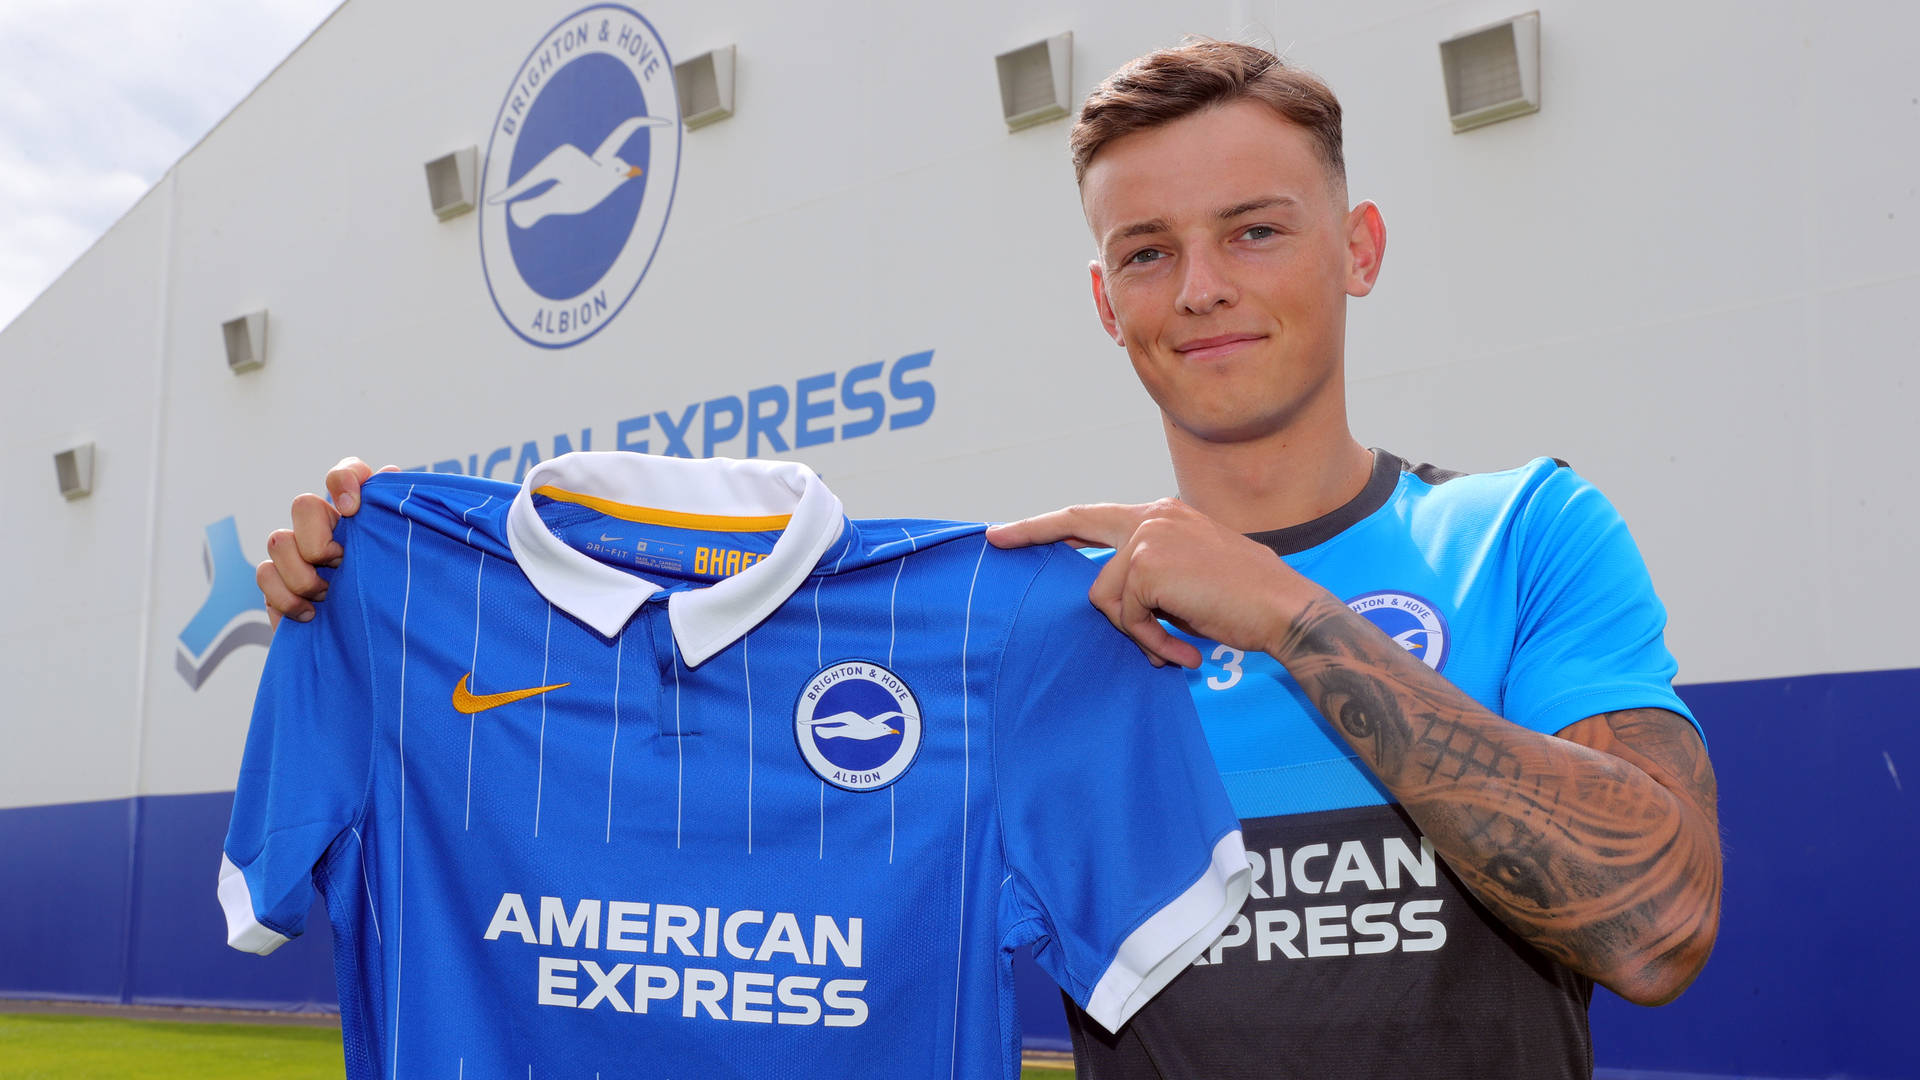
x: 1284, y: 479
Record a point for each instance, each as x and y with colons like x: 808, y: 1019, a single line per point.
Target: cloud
x: 99, y: 98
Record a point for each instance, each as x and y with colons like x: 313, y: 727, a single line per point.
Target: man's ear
x: 1366, y: 246
x: 1102, y: 304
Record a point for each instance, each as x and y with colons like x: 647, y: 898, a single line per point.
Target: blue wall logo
x: 579, y: 176
x: 857, y: 725
x: 231, y: 616
x: 1414, y: 624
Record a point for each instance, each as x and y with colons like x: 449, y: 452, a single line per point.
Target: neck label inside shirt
x: 683, y: 551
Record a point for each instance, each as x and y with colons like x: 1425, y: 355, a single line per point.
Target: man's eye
x: 1260, y: 232
x: 1144, y: 255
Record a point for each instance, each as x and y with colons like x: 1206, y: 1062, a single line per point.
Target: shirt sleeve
x: 1590, y: 635
x: 1124, y: 857
x: 303, y: 774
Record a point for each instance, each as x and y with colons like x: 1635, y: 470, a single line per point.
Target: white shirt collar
x: 704, y: 620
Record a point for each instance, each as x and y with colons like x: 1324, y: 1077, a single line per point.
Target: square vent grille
x: 1036, y: 81
x: 705, y: 86
x: 73, y: 467
x: 1493, y: 73
x: 246, y: 341
x: 451, y: 181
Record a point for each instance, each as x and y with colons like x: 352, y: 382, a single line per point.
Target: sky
x: 99, y: 98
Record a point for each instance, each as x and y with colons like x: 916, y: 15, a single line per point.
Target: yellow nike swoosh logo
x: 473, y: 703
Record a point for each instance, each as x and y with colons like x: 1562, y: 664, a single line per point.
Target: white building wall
x: 80, y: 366
x: 1692, y: 274
x: 1695, y: 274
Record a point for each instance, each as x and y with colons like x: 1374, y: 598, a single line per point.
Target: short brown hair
x: 1169, y: 84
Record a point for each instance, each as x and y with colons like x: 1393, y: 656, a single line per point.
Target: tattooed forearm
x: 1600, y: 847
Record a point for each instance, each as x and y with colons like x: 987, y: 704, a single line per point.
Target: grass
x: 43, y: 1047
x: 54, y: 1047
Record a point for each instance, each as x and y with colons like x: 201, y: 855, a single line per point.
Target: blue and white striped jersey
x: 663, y: 768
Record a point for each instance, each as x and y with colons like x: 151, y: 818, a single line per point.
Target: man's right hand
x: 287, y: 578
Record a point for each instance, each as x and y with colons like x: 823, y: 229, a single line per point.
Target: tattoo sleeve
x: 1600, y: 847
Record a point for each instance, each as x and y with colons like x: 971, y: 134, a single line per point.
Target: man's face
x: 1226, y: 254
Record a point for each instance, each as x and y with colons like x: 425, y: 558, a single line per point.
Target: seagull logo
x: 1405, y: 639
x: 571, y: 182
x: 579, y: 175
x: 857, y: 725
x: 851, y: 725
x: 1413, y: 623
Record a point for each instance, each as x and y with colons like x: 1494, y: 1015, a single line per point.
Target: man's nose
x: 1205, y: 284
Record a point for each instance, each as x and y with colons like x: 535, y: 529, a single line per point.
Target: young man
x: 1515, y: 718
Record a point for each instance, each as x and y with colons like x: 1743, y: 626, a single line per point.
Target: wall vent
x: 451, y: 182
x: 74, y: 469
x: 1493, y: 73
x: 705, y: 86
x: 1036, y: 81
x: 246, y: 341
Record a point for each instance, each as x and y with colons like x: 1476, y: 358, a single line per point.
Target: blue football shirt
x: 662, y: 768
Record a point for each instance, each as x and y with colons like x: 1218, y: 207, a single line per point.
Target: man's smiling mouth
x: 1213, y: 348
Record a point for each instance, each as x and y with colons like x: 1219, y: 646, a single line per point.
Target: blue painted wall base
x: 87, y: 913
x: 114, y: 901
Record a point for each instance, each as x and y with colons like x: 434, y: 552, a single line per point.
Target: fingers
x: 280, y: 600
x: 287, y: 579
x: 1093, y: 525
x: 314, y: 520
x: 344, y: 480
x: 1105, y: 597
x: 1124, y: 596
x: 294, y: 575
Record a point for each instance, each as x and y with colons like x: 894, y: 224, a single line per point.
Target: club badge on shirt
x: 1411, y: 622
x: 857, y: 725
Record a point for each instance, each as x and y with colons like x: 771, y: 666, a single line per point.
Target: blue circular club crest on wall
x: 579, y: 175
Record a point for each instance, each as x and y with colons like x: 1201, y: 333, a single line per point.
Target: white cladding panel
x: 81, y: 365
x: 1693, y: 274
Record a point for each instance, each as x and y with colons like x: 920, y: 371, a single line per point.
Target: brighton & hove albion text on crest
x: 579, y: 175
x: 857, y: 725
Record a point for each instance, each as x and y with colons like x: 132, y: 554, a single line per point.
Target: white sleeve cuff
x: 1172, y: 937
x: 244, y: 932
